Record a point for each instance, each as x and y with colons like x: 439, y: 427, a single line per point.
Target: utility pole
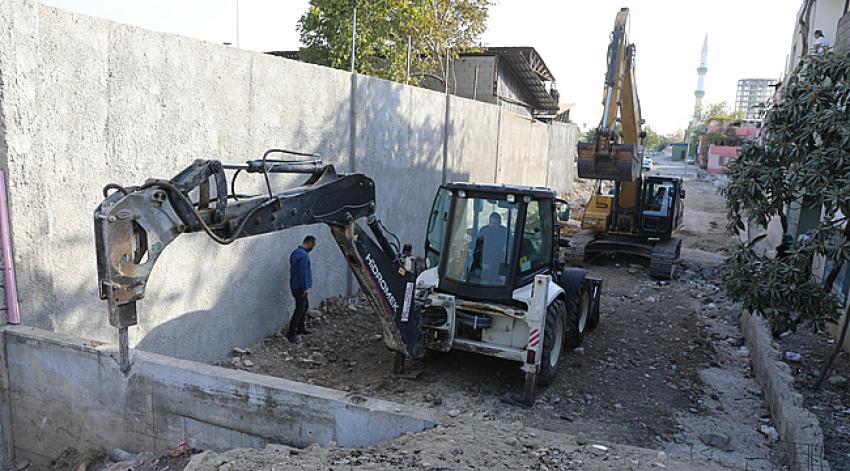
x: 407, y: 64
x: 353, y: 36
x: 237, y: 23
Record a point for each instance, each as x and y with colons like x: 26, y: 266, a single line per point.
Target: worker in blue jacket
x: 300, y: 283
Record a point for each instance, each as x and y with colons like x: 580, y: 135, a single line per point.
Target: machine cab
x: 488, y: 240
x: 662, y: 206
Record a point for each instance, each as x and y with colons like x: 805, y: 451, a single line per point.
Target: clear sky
x: 747, y: 39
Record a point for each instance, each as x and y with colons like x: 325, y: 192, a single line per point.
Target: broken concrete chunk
x: 771, y: 433
x: 122, y: 466
x: 118, y: 455
x: 316, y: 357
x: 717, y: 440
x: 837, y: 381
x: 793, y: 356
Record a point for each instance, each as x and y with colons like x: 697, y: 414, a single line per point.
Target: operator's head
x: 818, y: 33
x: 662, y: 190
x: 309, y: 243
x: 495, y: 219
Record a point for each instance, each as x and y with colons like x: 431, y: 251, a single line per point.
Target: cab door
x: 438, y: 222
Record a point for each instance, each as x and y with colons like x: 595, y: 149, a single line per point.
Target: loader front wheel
x: 553, y: 341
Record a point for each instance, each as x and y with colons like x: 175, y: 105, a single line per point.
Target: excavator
x: 493, y: 283
x: 641, y: 213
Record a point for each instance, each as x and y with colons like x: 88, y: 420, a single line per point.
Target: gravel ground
x: 663, y: 369
x: 831, y: 403
x: 461, y: 445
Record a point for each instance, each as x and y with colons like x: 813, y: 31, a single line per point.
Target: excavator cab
x: 662, y: 207
x: 488, y: 240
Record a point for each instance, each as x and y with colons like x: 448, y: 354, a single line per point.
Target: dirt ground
x: 831, y: 403
x: 460, y: 445
x: 704, y: 225
x: 663, y: 368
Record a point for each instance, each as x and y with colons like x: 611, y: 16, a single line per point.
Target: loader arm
x: 614, y: 154
x: 133, y: 225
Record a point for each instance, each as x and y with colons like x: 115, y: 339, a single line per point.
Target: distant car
x: 690, y: 161
x: 647, y: 164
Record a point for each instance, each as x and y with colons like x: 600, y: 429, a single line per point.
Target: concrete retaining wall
x: 66, y: 392
x: 85, y: 102
x: 800, y: 432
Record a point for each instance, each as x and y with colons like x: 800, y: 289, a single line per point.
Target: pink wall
x: 717, y: 155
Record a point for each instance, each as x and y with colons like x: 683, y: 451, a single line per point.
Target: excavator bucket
x: 619, y: 162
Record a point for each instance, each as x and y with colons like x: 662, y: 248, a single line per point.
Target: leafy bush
x: 804, y: 152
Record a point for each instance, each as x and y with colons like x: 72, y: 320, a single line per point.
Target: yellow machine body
x: 597, y: 216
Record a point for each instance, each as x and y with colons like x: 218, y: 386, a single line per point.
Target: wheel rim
x: 555, y: 353
x: 584, y: 309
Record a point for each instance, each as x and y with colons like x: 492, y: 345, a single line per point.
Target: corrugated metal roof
x: 530, y: 69
x: 294, y: 55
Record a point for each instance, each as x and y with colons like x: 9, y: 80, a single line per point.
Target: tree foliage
x: 653, y: 140
x: 804, y: 151
x: 713, y: 112
x: 383, y: 28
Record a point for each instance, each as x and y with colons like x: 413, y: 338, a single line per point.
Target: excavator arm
x: 133, y: 225
x: 614, y: 153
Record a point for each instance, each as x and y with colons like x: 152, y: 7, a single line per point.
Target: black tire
x: 595, y: 301
x: 553, y: 342
x: 578, y: 305
x: 577, y: 316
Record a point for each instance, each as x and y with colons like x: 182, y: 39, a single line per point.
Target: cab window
x: 536, y: 245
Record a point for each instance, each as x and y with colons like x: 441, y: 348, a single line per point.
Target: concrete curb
x: 800, y: 432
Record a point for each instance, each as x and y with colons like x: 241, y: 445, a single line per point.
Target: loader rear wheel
x: 593, y: 317
x: 577, y: 319
x: 553, y: 342
x: 578, y: 304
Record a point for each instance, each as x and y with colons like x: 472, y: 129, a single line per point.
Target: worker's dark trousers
x: 298, y: 323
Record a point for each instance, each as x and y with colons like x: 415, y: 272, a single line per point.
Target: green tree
x: 435, y: 28
x: 715, y: 111
x: 804, y: 151
x: 653, y: 140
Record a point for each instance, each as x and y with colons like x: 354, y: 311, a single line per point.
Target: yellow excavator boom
x: 614, y: 153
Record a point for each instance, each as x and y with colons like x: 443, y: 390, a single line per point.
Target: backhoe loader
x: 493, y: 284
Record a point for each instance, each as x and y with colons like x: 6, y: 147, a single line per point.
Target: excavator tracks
x: 662, y: 265
x: 575, y: 253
